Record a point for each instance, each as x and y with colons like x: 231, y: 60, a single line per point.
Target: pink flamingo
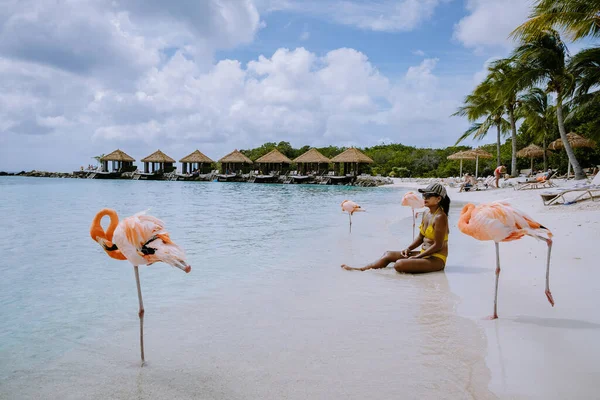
x: 350, y: 207
x: 412, y: 200
x: 499, y: 222
x: 142, y: 240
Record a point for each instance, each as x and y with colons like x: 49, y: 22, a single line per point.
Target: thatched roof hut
x: 235, y: 157
x: 273, y: 157
x: 196, y: 161
x: 351, y: 160
x: 118, y: 155
x: 312, y: 156
x: 158, y: 157
x: 352, y: 155
x: 121, y: 162
x: 234, y: 161
x: 311, y: 160
x: 196, y: 157
x: 159, y: 162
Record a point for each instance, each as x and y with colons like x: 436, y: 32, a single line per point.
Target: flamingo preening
x: 350, y: 207
x: 140, y: 239
x: 499, y: 222
x: 413, y: 200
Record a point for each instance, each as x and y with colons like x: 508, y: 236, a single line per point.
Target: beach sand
x: 535, y: 351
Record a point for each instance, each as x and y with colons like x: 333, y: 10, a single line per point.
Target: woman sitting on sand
x: 433, y: 235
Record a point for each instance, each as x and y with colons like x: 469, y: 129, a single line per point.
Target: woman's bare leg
x: 419, y: 265
x: 388, y: 257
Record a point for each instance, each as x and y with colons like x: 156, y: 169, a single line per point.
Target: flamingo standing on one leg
x: 499, y: 222
x: 412, y: 200
x: 142, y: 240
x: 350, y: 207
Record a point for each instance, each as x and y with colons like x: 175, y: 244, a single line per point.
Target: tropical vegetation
x: 541, y: 83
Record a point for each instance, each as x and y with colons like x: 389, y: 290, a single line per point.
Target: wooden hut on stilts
x: 113, y: 165
x: 156, y: 166
x: 271, y: 166
x: 350, y: 162
x: 196, y: 166
x: 233, y: 166
x: 310, y: 165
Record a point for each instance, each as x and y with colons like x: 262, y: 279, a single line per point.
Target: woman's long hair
x: 445, y: 204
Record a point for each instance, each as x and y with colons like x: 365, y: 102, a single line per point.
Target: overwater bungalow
x: 351, y: 162
x: 120, y: 162
x: 155, y: 166
x: 196, y: 166
x: 271, y: 166
x: 310, y: 164
x: 233, y: 165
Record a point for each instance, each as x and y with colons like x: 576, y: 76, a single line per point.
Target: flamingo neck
x: 96, y: 229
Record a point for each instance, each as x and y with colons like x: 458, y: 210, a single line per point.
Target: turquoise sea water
x: 266, y: 312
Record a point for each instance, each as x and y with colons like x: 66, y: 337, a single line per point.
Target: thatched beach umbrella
x: 351, y: 157
x: 197, y: 157
x: 575, y: 141
x: 478, y: 153
x: 274, y: 157
x: 312, y: 156
x: 532, y: 151
x: 462, y: 155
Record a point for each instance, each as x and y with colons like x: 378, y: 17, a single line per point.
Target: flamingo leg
x: 350, y: 217
x: 141, y: 312
x: 495, y: 316
x: 548, y: 293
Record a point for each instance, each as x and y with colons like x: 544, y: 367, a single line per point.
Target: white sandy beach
x: 535, y: 351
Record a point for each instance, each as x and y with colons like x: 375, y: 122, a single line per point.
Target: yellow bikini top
x: 428, y: 233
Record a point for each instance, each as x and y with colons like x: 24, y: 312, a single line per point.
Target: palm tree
x: 543, y: 60
x: 480, y: 104
x: 503, y: 85
x: 539, y: 115
x: 579, y: 18
x: 585, y: 67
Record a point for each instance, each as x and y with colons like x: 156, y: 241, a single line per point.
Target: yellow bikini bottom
x: 436, y: 255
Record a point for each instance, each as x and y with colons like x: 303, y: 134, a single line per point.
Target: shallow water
x: 266, y: 312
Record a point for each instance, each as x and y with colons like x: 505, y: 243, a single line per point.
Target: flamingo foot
x: 550, y: 298
x: 491, y: 317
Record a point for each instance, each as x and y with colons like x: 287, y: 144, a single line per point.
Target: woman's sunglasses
x: 428, y: 195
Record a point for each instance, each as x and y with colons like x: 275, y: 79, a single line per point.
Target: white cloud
x: 304, y: 35
x: 419, y: 53
x: 381, y: 15
x: 148, y: 80
x: 490, y: 22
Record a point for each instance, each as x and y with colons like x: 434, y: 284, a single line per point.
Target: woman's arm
x: 416, y: 243
x: 440, y: 229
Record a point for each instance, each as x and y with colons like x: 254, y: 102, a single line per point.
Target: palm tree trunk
x: 544, y: 148
x: 498, y: 147
x: 513, y: 127
x: 563, y: 135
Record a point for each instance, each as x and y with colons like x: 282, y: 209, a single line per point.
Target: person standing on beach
x: 498, y: 172
x: 433, y: 236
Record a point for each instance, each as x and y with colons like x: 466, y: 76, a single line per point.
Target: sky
x: 79, y: 78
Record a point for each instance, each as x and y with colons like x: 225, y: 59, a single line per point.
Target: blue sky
x: 81, y: 78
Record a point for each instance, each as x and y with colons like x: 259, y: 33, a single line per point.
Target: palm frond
x: 579, y: 18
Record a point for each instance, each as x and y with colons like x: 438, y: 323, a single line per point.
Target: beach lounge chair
x: 590, y: 191
x: 577, y: 194
x: 538, y: 182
